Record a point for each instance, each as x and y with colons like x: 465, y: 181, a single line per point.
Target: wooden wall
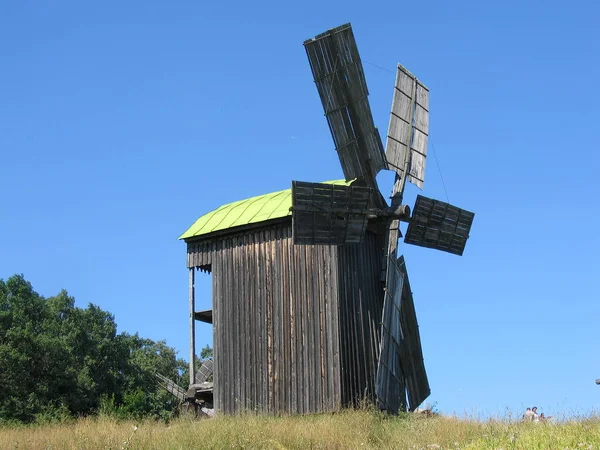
x: 361, y: 306
x: 275, y: 318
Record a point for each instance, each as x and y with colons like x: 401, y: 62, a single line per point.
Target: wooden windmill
x: 312, y: 309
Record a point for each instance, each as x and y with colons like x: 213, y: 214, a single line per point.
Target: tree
x: 56, y: 358
x: 206, y: 353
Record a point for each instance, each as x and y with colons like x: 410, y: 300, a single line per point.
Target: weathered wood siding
x: 275, y: 318
x: 361, y: 306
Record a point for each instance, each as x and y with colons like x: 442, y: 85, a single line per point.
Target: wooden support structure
x: 192, y: 326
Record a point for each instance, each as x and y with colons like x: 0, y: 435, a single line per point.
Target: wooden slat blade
x: 411, y: 353
x: 171, y: 387
x: 205, y: 371
x: 439, y: 225
x: 408, y: 127
x: 390, y: 387
x: 329, y: 214
x: 338, y: 74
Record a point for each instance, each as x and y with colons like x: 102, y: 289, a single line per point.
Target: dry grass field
x: 346, y: 430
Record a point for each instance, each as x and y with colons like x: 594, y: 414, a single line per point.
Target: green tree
x: 206, y: 353
x: 57, y: 359
x: 23, y: 385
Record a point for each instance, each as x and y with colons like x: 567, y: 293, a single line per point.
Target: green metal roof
x: 244, y: 212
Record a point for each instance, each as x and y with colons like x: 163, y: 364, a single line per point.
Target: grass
x: 346, y: 430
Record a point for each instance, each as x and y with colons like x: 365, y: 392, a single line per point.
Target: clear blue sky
x: 122, y: 122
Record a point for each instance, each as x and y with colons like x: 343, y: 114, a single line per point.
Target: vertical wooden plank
x: 298, y: 275
x: 226, y: 326
x: 286, y: 323
x: 255, y: 323
x: 349, y: 334
x: 307, y: 329
x: 304, y: 328
x: 260, y: 327
x: 192, y: 301
x: 354, y: 364
x: 246, y: 274
x: 277, y: 318
x: 222, y: 320
x: 232, y: 331
x: 315, y: 348
x: 235, y: 322
x: 243, y: 335
x: 343, y: 312
x: 270, y: 381
x: 322, y: 343
x: 324, y: 329
x: 360, y: 319
x: 265, y: 324
x: 335, y: 296
x: 309, y: 322
x: 293, y: 292
x: 368, y: 316
x: 225, y: 330
x: 217, y: 345
x: 376, y: 258
x: 331, y: 315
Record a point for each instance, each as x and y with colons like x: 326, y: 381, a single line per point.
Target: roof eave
x: 235, y: 230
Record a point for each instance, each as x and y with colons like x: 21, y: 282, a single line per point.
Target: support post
x: 192, y: 326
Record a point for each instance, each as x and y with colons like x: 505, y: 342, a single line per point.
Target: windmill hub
x: 400, y: 212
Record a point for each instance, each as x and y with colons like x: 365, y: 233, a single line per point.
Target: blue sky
x: 122, y: 122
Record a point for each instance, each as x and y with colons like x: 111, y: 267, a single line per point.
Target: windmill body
x: 312, y: 310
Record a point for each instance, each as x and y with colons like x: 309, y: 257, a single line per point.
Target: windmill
x: 312, y: 309
x: 336, y: 214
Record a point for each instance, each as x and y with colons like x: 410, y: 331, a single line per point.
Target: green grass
x: 346, y: 430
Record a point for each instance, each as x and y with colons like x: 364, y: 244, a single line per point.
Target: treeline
x: 58, y: 360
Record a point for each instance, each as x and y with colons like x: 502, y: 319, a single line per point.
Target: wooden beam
x: 192, y: 326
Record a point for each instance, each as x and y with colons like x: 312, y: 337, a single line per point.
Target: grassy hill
x: 346, y: 430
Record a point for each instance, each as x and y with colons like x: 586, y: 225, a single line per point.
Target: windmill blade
x: 400, y: 368
x: 408, y: 128
x: 390, y: 387
x: 329, y: 214
x: 340, y: 80
x: 204, y: 372
x: 171, y: 387
x: 439, y: 225
x: 411, y: 353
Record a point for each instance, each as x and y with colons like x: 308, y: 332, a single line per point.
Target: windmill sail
x: 340, y: 80
x: 171, y: 387
x: 329, y: 214
x: 411, y: 354
x: 205, y: 371
x: 390, y: 387
x: 439, y: 225
x: 408, y: 128
x: 400, y: 369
